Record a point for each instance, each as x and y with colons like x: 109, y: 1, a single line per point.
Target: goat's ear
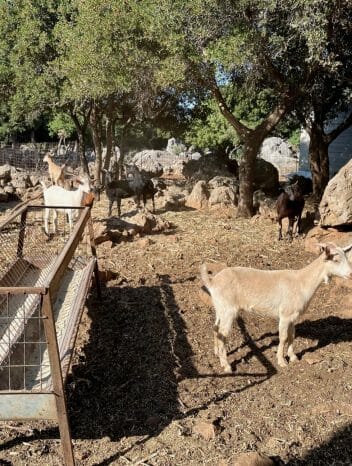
x: 329, y: 249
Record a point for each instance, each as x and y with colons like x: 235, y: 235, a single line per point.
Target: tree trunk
x: 109, y: 141
x: 319, y: 161
x: 81, y: 145
x: 95, y: 122
x: 246, y: 176
x: 81, y: 149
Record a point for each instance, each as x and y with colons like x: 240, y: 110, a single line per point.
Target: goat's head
x: 84, y: 184
x: 336, y: 261
x: 108, y: 177
x: 47, y: 157
x: 294, y: 191
x: 131, y: 171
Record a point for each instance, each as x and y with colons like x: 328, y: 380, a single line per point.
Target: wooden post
x: 58, y: 386
x: 21, y: 233
x: 94, y: 252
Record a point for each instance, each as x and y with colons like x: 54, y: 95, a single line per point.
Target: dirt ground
x: 146, y: 388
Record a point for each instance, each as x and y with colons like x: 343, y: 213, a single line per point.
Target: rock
x: 4, y: 197
x: 223, y: 196
x: 21, y: 181
x: 219, y: 181
x: 198, y: 199
x: 205, y: 430
x: 320, y: 235
x: 335, y: 208
x: 266, y: 177
x: 252, y: 459
x: 9, y: 189
x: 206, y: 168
x: 279, y: 153
x: 5, y: 172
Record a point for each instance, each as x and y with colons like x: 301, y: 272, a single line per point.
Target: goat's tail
x: 205, y: 276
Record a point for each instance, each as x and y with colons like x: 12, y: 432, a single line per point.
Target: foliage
x: 61, y: 122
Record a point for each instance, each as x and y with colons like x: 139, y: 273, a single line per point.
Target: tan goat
x: 56, y: 172
x: 282, y: 294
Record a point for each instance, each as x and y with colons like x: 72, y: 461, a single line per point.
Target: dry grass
x: 144, y: 373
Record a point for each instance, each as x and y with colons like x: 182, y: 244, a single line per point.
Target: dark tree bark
x: 251, y: 139
x: 95, y: 123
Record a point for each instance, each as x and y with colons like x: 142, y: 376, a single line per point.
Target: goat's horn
x: 347, y: 248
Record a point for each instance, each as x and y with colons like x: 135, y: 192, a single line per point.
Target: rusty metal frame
x: 51, y: 404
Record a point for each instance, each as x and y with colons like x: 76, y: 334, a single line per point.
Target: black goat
x: 134, y: 186
x: 143, y: 187
x: 290, y: 203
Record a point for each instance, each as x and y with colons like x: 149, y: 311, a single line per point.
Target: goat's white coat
x: 282, y: 294
x: 55, y: 196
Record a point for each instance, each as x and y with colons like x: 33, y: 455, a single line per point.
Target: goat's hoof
x: 293, y: 358
x: 283, y: 363
x: 228, y: 369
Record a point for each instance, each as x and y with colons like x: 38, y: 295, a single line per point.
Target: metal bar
x: 58, y: 386
x: 62, y: 261
x: 23, y: 290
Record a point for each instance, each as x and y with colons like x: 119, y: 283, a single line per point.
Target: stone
x: 252, y: 459
x: 198, y: 199
x: 223, y: 195
x: 335, y: 208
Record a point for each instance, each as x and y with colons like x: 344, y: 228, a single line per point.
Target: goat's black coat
x: 290, y: 203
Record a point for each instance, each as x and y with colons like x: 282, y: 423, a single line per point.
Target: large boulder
x: 153, y: 162
x: 206, y: 167
x: 266, y: 177
x: 279, y: 153
x: 335, y: 208
x: 5, y: 172
x: 223, y: 196
x: 198, y: 199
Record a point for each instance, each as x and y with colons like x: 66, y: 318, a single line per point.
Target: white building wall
x: 340, y: 150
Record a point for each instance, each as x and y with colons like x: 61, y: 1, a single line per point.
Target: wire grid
x: 27, y: 257
x: 29, y: 157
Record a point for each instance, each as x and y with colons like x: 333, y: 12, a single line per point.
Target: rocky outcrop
x: 335, y: 208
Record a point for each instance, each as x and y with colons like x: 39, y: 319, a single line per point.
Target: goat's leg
x: 111, y: 201
x: 280, y: 229
x: 298, y: 225
x: 55, y: 221
x: 283, y: 337
x: 118, y: 202
x: 290, y: 339
x: 225, y: 320
x: 46, y: 221
x: 153, y: 202
x: 215, y: 333
x: 291, y: 221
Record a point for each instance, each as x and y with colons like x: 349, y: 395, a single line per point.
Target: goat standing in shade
x: 290, y: 203
x: 143, y: 187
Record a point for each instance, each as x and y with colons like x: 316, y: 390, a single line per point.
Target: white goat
x: 56, y: 172
x: 57, y: 198
x: 283, y: 294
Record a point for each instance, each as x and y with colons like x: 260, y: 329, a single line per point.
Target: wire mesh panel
x: 33, y: 263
